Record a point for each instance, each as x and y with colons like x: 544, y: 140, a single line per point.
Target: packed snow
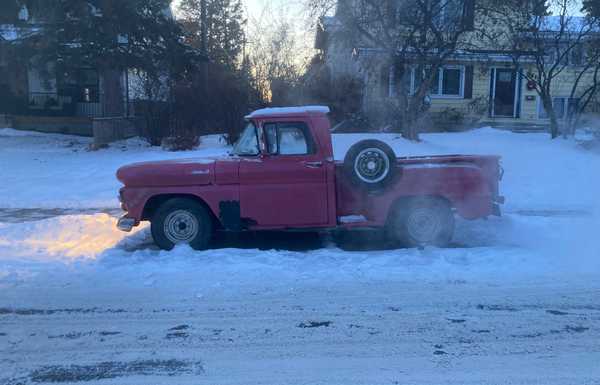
x: 275, y: 111
x: 514, y: 301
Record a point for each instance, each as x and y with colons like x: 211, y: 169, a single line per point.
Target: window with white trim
x: 448, y: 82
x: 564, y: 107
x: 575, y: 57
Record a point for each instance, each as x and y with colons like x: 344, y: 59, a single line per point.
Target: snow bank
x: 502, y: 250
x: 56, y: 171
x: 62, y: 239
x: 50, y: 171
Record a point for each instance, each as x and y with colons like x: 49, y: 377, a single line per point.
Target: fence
x: 51, y: 103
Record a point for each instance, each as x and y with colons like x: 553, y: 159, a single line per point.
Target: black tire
x: 419, y: 222
x: 371, y: 164
x: 182, y: 221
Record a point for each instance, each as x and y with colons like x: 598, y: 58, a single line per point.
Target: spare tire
x: 371, y: 164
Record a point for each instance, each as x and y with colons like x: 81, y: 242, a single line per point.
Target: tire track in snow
x: 39, y: 214
x: 371, y: 334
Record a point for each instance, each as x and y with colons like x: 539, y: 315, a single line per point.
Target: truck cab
x: 286, y: 169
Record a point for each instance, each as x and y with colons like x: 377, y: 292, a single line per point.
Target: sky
x: 255, y: 7
x: 291, y: 10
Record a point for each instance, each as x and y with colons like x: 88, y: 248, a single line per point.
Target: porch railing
x: 63, y: 105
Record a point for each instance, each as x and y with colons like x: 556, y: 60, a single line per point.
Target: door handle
x: 313, y: 164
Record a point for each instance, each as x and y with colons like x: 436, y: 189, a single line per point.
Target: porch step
x: 81, y: 126
x: 515, y: 126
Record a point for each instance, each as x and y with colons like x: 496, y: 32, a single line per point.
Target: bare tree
x: 275, y: 56
x: 415, y: 38
x: 548, y: 40
x: 586, y: 87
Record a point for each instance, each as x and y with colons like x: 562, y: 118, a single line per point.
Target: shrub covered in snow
x: 180, y: 143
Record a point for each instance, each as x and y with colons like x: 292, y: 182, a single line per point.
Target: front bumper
x: 126, y: 224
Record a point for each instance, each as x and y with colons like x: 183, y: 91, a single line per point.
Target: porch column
x: 112, y: 98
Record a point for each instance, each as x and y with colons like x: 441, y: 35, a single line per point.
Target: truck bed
x: 469, y: 182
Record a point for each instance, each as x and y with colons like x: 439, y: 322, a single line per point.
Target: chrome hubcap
x: 423, y: 225
x: 372, y: 165
x: 181, y: 227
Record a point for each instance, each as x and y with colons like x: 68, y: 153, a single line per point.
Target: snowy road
x: 516, y: 300
x: 93, y: 306
x: 373, y: 333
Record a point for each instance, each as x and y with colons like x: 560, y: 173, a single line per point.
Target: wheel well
x: 156, y: 201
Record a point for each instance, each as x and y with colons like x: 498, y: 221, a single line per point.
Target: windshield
x: 247, y: 145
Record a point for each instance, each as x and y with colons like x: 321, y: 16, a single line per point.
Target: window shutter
x: 469, y: 82
x: 469, y: 15
x: 384, y: 85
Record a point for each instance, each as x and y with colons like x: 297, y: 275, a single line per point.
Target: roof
x: 571, y: 24
x: 12, y: 33
x: 289, y: 111
x: 8, y: 32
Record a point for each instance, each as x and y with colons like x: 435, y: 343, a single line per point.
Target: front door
x: 504, y: 92
x: 287, y: 185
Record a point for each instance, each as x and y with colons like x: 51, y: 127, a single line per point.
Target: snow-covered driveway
x: 516, y: 301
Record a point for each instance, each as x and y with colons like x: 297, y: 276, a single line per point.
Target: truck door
x: 287, y: 185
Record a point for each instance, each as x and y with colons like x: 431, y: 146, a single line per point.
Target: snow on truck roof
x: 289, y: 111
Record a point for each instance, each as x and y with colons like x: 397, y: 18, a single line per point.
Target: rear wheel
x: 182, y: 221
x: 422, y: 222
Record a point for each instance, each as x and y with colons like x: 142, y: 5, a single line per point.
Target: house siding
x: 369, y: 65
x: 528, y: 101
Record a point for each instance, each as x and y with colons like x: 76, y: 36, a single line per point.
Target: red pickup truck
x: 281, y: 175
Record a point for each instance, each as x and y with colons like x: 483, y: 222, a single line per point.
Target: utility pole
x: 204, y: 44
x: 203, y: 27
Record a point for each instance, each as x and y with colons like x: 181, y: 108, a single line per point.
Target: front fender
x: 136, y: 199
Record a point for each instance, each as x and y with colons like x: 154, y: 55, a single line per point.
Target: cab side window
x: 288, y: 139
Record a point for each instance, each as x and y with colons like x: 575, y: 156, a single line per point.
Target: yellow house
x: 484, y: 84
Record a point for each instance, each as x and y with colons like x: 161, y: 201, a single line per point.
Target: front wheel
x: 419, y: 222
x: 182, y: 221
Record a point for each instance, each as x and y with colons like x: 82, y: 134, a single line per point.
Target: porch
x: 516, y: 124
x: 71, y: 125
x: 66, y: 105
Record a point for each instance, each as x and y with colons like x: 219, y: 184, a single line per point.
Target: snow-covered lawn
x: 514, y: 302
x: 55, y: 171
